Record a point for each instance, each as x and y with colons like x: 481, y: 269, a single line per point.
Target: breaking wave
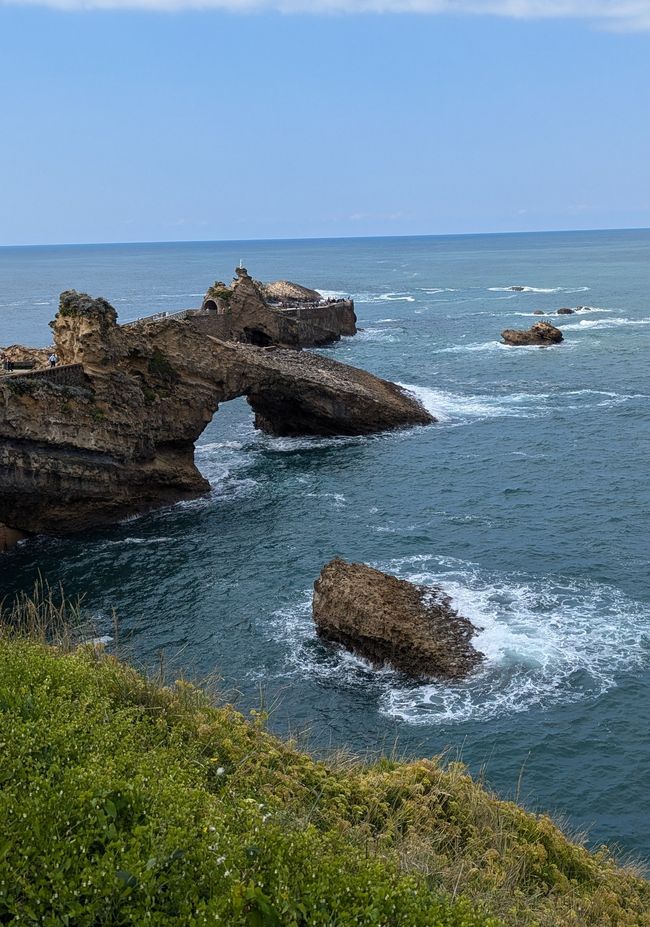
x: 604, y: 323
x: 540, y: 289
x: 546, y: 640
x: 447, y: 406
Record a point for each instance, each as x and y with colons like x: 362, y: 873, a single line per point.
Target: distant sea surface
x: 528, y: 502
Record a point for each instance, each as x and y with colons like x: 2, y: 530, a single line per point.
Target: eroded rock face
x: 122, y: 441
x: 286, y: 291
x: 245, y: 312
x: 541, y: 333
x: 388, y: 620
x: 19, y: 354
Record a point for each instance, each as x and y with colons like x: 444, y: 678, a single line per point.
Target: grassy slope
x: 125, y: 803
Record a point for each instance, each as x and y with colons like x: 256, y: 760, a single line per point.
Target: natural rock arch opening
x: 78, y: 456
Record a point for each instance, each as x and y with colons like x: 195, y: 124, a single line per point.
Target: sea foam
x: 547, y: 640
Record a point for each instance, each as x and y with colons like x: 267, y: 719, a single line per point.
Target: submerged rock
x: 541, y: 333
x: 388, y: 620
x: 517, y: 289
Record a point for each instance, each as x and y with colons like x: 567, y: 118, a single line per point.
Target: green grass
x: 126, y: 802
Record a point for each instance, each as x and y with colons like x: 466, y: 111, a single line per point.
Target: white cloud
x: 632, y: 15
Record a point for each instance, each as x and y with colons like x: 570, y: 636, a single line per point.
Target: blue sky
x: 146, y: 124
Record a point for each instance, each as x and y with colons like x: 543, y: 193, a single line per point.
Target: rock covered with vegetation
x: 124, y: 802
x: 388, y: 620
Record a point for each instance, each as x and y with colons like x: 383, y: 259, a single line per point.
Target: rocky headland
x: 111, y: 430
x: 541, y: 334
x: 280, y: 313
x: 388, y: 620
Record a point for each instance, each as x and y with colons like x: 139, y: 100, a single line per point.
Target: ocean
x: 528, y: 502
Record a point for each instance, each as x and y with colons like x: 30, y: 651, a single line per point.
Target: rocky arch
x: 75, y: 457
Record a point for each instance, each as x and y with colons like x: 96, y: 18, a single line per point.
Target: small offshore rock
x: 389, y: 620
x: 541, y: 333
x: 565, y: 311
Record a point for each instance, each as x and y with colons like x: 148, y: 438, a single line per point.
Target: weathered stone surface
x: 541, y: 333
x: 19, y: 354
x: 388, y: 620
x: 241, y: 313
x: 77, y: 456
x: 286, y: 291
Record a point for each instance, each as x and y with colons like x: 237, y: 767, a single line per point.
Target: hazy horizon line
x: 225, y: 241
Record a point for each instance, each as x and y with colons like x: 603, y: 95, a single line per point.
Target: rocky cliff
x: 281, y: 313
x: 122, y: 439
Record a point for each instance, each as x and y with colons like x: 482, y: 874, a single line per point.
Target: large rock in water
x: 248, y: 311
x: 388, y: 620
x: 541, y: 333
x: 120, y: 438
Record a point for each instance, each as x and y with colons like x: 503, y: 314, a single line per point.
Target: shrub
x: 116, y: 813
x: 160, y: 367
x: 127, y: 802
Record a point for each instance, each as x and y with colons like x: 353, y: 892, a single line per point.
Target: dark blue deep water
x: 529, y: 502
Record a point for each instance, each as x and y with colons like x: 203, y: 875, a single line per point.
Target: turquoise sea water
x: 528, y: 501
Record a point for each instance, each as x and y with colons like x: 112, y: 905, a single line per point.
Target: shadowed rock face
x: 388, y: 620
x: 541, y: 333
x: 123, y: 440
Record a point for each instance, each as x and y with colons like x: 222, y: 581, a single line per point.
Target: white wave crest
x: 377, y: 334
x: 470, y: 348
x: 540, y: 289
x: 578, y: 310
x: 333, y: 294
x: 546, y: 640
x: 448, y: 407
x: 437, y: 289
x: 604, y: 323
x: 397, y: 297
